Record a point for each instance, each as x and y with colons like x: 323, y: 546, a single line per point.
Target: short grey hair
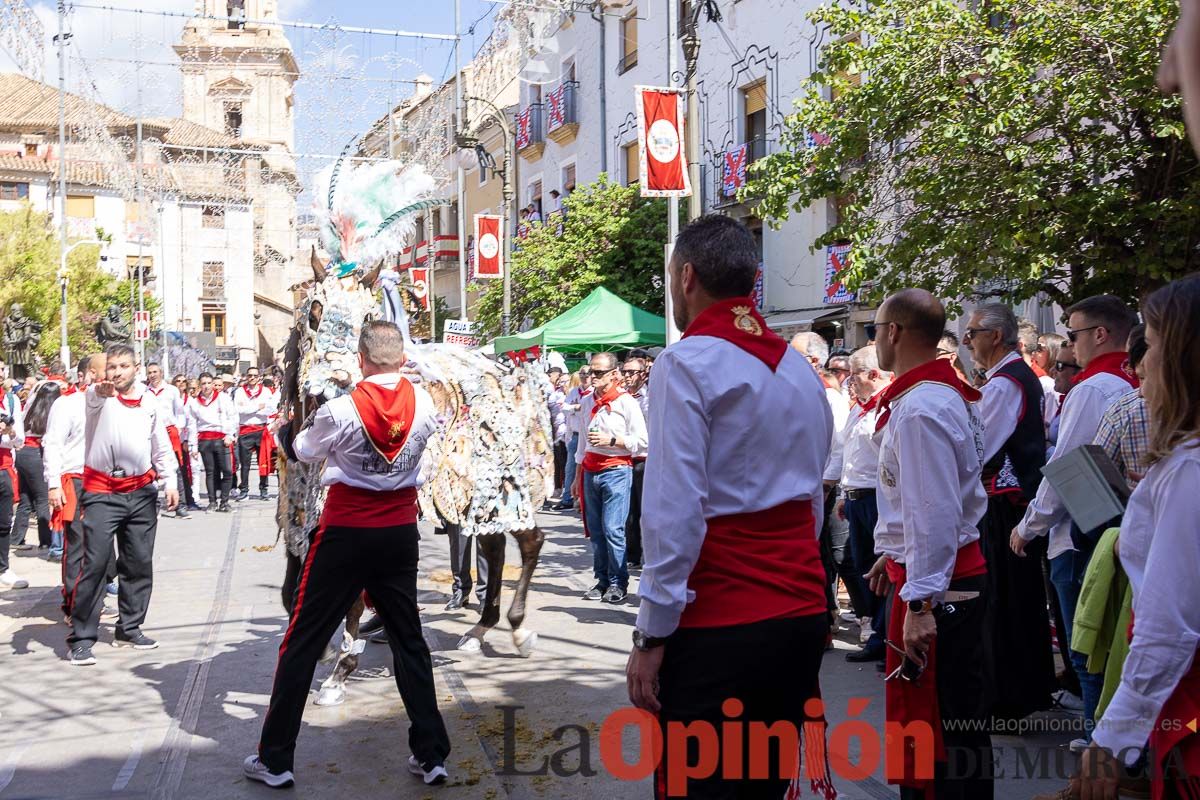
x: 999, y: 317
x: 382, y: 344
x: 1052, y: 343
x: 1027, y: 332
x: 610, y: 360
x: 812, y: 345
x: 864, y: 359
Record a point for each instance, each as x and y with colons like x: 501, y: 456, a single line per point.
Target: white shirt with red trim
x: 854, y: 460
x: 255, y: 406
x: 128, y: 438
x: 218, y: 416
x: 727, y: 436
x: 336, y: 436
x: 930, y: 491
x: 168, y: 397
x: 63, y: 442
x: 623, y: 419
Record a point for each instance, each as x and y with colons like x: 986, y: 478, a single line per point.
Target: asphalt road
x: 176, y: 722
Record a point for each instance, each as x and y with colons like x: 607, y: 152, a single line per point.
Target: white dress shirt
x: 218, y: 416
x: 558, y: 420
x: 1000, y: 408
x: 930, y: 491
x: 254, y: 409
x: 622, y: 419
x: 337, y: 437
x: 727, y: 436
x: 1159, y: 552
x: 1080, y: 419
x: 63, y: 442
x: 854, y: 458
x: 642, y: 396
x: 130, y: 438
x: 169, y: 399
x: 839, y: 404
x: 1050, y: 400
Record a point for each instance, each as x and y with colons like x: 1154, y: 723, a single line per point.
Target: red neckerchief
x: 736, y: 320
x: 606, y: 400
x: 1111, y: 363
x: 130, y: 402
x: 1038, y: 371
x: 209, y: 402
x: 386, y: 415
x: 156, y: 392
x: 246, y: 389
x: 936, y: 371
x: 70, y: 390
x: 869, y: 406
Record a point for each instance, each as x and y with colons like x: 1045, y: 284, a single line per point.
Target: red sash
x: 176, y: 443
x: 909, y: 702
x: 33, y: 441
x: 6, y: 464
x: 386, y: 415
x: 757, y: 566
x: 937, y: 371
x: 266, y: 453
x: 246, y: 430
x: 598, y: 462
x: 96, y: 481
x: 66, y: 513
x: 736, y: 320
x: 208, y: 436
x: 352, y: 507
x: 1111, y: 363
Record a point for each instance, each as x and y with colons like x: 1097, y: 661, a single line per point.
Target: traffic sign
x: 141, y: 325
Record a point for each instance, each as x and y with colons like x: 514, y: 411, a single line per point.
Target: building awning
x: 804, y: 316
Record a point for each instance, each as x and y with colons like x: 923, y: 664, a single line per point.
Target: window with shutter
x: 83, y: 206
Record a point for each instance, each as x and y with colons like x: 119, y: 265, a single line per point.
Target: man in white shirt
x: 733, y: 609
x: 168, y: 397
x: 931, y: 499
x: 255, y: 405
x: 572, y: 407
x: 126, y: 449
x: 211, y: 430
x: 554, y: 401
x: 12, y: 437
x: 614, y: 430
x: 1098, y: 327
x: 855, y: 460
x: 187, y: 497
x: 635, y: 375
x: 373, y: 444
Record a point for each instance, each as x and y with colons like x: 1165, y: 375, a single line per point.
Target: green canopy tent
x: 601, y: 321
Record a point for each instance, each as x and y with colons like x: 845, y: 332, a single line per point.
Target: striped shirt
x: 1124, y: 433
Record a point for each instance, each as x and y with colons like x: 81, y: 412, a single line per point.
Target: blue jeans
x: 1066, y: 573
x: 56, y: 544
x: 568, y: 492
x: 606, y: 503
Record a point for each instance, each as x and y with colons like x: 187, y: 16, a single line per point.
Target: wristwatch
x: 612, y: 442
x: 920, y: 606
x: 643, y: 642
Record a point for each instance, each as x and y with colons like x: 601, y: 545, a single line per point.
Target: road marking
x: 9, y: 768
x: 130, y: 766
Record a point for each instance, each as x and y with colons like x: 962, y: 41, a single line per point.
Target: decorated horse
x: 489, y: 467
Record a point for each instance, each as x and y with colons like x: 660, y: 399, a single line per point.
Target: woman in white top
x: 1158, y: 699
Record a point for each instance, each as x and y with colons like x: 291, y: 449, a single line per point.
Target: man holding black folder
x: 1098, y: 327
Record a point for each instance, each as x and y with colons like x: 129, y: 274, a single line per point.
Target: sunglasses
x: 971, y: 333
x: 631, y: 372
x: 908, y: 670
x: 1063, y: 365
x: 1073, y: 335
x: 596, y: 373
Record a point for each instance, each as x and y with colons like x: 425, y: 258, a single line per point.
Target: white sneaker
x: 865, y: 631
x: 1068, y: 701
x: 1078, y: 745
x: 847, y: 615
x: 433, y: 777
x: 13, y: 581
x: 255, y: 770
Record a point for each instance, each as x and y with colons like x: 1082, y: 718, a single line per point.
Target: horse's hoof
x: 525, y: 641
x: 331, y: 696
x: 469, y: 644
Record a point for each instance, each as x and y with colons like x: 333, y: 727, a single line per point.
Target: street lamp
x: 64, y: 352
x: 466, y: 140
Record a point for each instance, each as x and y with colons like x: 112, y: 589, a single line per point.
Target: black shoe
x: 457, y: 601
x: 262, y: 495
x: 22, y: 547
x: 242, y: 495
x: 139, y: 641
x: 375, y: 623
x: 81, y: 655
x: 562, y: 506
x: 181, y: 512
x: 222, y: 508
x: 594, y: 593
x: 194, y: 507
x: 864, y: 655
x: 614, y: 594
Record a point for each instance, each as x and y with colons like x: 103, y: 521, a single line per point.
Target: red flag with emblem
x: 662, y: 161
x: 489, y: 246
x: 420, y: 283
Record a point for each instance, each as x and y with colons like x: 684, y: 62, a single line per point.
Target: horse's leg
x: 530, y: 544
x: 492, y: 548
x: 333, y: 688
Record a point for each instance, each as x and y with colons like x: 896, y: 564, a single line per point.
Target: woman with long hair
x: 1158, y: 699
x: 34, y: 495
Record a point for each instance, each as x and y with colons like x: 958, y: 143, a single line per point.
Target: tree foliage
x: 611, y: 236
x: 1007, y: 147
x: 29, y: 254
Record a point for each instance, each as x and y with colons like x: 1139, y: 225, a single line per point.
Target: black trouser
x: 248, y: 445
x: 341, y: 563
x: 34, y: 498
x: 770, y: 666
x: 132, y: 519
x: 862, y: 513
x: 460, y: 563
x: 964, y: 687
x: 218, y: 467
x: 6, y: 513
x: 835, y: 557
x: 633, y: 524
x: 72, y: 559
x: 560, y: 464
x: 185, y: 476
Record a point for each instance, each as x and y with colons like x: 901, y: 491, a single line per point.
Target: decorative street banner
x: 461, y: 332
x: 733, y: 169
x: 524, y: 128
x: 420, y: 283
x: 489, y: 250
x: 759, y: 293
x: 837, y: 258
x: 815, y: 139
x: 662, y: 162
x: 556, y: 108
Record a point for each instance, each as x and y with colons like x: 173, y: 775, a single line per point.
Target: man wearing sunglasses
x: 1098, y: 327
x: 255, y: 406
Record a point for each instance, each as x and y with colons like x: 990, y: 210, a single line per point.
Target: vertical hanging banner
x: 420, y: 283
x: 662, y: 160
x: 489, y: 246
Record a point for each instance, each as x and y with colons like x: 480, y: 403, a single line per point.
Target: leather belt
x: 859, y: 494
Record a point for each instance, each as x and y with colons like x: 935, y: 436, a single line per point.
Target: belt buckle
x: 117, y: 472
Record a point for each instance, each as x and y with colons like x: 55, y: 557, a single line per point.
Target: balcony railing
x: 560, y: 106
x: 730, y: 175
x: 530, y: 127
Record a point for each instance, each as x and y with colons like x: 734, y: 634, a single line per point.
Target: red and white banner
x: 489, y: 246
x: 420, y: 283
x: 662, y: 168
